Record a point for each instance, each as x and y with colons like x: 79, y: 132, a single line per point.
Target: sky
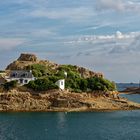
x: 102, y: 35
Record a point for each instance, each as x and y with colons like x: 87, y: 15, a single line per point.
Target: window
x: 62, y: 83
x: 21, y: 81
x: 26, y: 81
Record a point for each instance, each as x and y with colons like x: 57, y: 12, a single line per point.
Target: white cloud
x: 72, y: 14
x: 43, y: 33
x: 118, y: 5
x: 91, y: 45
x: 111, y: 4
x: 35, y: 3
x: 10, y: 43
x: 99, y: 38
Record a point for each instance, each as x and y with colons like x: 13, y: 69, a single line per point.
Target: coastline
x: 62, y: 101
x: 130, y: 91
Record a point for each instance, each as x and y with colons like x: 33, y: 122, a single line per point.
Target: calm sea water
x: 71, y: 126
x: 116, y: 125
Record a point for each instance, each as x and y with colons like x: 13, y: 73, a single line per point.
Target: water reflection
x: 62, y: 122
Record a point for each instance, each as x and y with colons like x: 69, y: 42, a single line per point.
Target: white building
x: 22, y: 76
x: 61, y: 84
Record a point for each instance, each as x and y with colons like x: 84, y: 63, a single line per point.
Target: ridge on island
x: 84, y: 90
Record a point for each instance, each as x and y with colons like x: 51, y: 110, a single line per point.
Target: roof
x: 21, y: 74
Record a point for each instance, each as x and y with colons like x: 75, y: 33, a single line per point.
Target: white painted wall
x: 61, y: 84
x: 25, y: 80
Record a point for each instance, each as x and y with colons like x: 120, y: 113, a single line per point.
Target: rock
x: 85, y: 73
x: 60, y: 101
x: 27, y: 57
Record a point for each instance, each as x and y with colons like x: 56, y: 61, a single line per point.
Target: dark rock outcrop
x: 85, y: 73
x: 27, y: 57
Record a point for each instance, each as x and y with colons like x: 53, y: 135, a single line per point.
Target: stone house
x: 22, y: 76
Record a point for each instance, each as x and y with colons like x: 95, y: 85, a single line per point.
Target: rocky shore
x: 62, y: 101
x: 131, y: 90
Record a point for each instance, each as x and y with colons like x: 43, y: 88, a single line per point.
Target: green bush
x: 83, y: 84
x: 76, y: 84
x: 10, y: 85
x: 42, y: 85
x: 38, y: 70
x: 54, y: 78
x: 96, y: 83
x: 67, y: 68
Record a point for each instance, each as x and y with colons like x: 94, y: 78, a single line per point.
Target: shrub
x: 54, y: 78
x: 38, y: 70
x: 70, y: 69
x: 76, y: 84
x: 10, y: 85
x: 96, y: 83
x: 83, y: 84
x: 41, y: 85
x: 67, y: 68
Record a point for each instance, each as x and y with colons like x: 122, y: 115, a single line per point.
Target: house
x: 61, y: 84
x: 22, y: 76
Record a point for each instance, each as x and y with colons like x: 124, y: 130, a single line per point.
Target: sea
x: 112, y: 125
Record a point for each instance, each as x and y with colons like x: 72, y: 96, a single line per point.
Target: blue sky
x: 102, y: 35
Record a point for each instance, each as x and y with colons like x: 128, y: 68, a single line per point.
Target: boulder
x: 27, y: 57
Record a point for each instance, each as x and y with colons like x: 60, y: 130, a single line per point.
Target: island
x: 30, y: 84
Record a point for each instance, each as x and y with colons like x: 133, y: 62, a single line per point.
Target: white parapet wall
x: 61, y: 84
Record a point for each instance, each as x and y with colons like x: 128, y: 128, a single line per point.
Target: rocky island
x: 29, y: 84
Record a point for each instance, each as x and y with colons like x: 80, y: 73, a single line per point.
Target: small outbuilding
x: 61, y: 84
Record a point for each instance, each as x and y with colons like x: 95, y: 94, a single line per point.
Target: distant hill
x: 26, y: 61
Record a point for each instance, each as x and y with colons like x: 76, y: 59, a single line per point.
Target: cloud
x: 91, y: 45
x: 132, y: 47
x: 40, y: 33
x: 118, y: 5
x: 10, y: 43
x: 111, y: 4
x: 71, y: 14
x: 102, y: 38
x: 118, y: 50
x: 135, y: 45
x: 35, y: 3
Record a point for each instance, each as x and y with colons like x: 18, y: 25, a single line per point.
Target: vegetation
x: 2, y: 71
x: 74, y: 81
x: 96, y: 83
x: 41, y: 85
x: 71, y: 71
x: 38, y: 70
x: 10, y: 85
